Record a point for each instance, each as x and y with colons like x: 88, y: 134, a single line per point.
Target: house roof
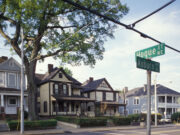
x: 160, y: 90
x: 93, y: 85
x: 43, y: 78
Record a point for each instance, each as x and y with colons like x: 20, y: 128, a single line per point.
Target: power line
x: 157, y: 10
x: 118, y: 22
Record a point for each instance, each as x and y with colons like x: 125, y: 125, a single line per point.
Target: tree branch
x: 61, y: 27
x: 4, y: 35
x: 7, y: 19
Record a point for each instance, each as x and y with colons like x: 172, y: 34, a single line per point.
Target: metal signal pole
x: 149, y: 102
x: 155, y: 100
x: 22, y: 82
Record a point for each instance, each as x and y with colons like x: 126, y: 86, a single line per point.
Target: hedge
x: 118, y: 121
x: 142, y: 117
x: 84, y: 122
x: 175, y: 117
x: 31, y: 125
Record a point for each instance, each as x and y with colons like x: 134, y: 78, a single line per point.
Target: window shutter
x: 67, y: 87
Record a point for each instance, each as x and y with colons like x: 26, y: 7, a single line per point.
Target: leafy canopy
x: 55, y: 28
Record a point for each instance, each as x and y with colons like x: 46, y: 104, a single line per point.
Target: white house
x: 168, y: 100
x: 10, y: 86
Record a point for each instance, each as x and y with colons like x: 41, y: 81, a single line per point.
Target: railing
x: 171, y: 105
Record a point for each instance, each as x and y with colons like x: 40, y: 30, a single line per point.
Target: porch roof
x: 11, y: 91
x: 109, y: 103
x: 73, y: 98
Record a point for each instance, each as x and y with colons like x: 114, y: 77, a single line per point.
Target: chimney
x: 145, y: 87
x: 3, y: 58
x: 125, y: 89
x: 90, y: 79
x: 50, y: 68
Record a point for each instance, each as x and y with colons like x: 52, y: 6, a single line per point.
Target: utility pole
x: 149, y: 102
x: 22, y: 82
x: 155, y: 99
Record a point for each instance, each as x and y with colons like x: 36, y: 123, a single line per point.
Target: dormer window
x: 60, y: 75
x: 2, y: 79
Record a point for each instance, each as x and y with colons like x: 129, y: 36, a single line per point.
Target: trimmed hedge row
x: 175, y: 117
x: 29, y: 125
x: 142, y: 117
x: 118, y: 121
x: 83, y: 122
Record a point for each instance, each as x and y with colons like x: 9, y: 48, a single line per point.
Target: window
x: 88, y: 95
x: 104, y: 96
x: 2, y: 79
x: 65, y: 90
x: 60, y: 75
x: 135, y: 111
x: 38, y: 107
x: 54, y: 106
x: 12, y: 101
x: 45, y: 106
x: 72, y: 107
x: 89, y: 108
x: 136, y: 101
x: 103, y: 85
x: 56, y: 89
x: 12, y: 80
x: 114, y: 96
x: 127, y: 101
x: 114, y: 110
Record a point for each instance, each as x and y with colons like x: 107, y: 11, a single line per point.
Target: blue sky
x: 118, y: 65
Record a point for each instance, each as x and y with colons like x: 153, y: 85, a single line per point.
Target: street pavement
x: 169, y: 129
x: 155, y: 131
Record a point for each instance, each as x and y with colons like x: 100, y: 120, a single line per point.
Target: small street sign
x: 147, y: 64
x: 153, y: 51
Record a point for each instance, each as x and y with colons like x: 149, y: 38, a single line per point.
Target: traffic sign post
x: 143, y: 61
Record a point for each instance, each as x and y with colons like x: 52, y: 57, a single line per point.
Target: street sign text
x: 147, y: 64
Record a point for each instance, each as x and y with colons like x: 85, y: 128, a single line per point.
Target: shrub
x: 175, y: 117
x: 121, y: 120
x: 92, y: 122
x: 29, y: 125
x: 84, y: 122
x: 134, y: 117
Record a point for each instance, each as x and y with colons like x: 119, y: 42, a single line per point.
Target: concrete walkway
x: 75, y: 130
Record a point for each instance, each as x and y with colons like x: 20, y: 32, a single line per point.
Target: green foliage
x: 142, y: 117
x: 84, y: 122
x: 55, y: 25
x: 134, y: 117
x: 121, y: 121
x: 175, y: 117
x: 31, y: 125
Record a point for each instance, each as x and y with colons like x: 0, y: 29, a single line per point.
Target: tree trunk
x: 32, y: 90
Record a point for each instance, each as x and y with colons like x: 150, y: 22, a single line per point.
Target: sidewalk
x: 74, y: 130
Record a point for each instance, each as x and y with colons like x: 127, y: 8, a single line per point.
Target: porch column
x: 2, y: 100
x: 172, y: 99
x: 172, y: 110
x: 165, y: 112
x: 56, y: 104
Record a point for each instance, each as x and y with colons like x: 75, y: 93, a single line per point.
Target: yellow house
x: 60, y: 94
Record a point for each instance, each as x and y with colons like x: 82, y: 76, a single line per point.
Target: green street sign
x: 147, y: 64
x: 153, y: 51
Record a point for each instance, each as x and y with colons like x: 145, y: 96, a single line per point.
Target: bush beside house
x: 31, y: 125
x: 175, y: 117
x: 84, y: 121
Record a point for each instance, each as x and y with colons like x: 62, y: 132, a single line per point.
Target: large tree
x: 56, y: 28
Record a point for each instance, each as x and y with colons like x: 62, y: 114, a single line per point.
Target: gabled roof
x: 43, y: 78
x: 93, y: 85
x: 4, y: 65
x: 160, y: 90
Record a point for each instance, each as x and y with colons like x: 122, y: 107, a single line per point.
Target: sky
x: 118, y: 65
